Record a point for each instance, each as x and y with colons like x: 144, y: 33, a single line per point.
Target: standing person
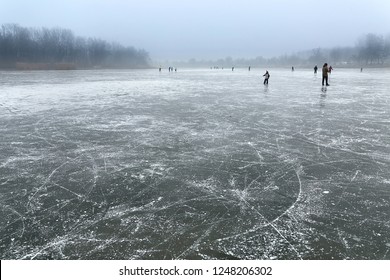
x: 325, y: 71
x: 266, y: 77
x: 292, y: 69
x: 315, y: 69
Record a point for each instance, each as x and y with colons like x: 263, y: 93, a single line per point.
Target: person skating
x: 325, y: 71
x: 266, y: 77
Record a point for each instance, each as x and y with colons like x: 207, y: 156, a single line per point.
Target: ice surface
x: 198, y: 164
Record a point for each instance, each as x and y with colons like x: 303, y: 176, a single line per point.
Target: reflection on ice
x: 201, y: 164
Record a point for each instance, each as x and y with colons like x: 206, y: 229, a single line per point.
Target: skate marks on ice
x: 192, y: 169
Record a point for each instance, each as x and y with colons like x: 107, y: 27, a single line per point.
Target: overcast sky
x: 205, y: 29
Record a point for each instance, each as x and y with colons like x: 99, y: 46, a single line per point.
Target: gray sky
x: 205, y: 29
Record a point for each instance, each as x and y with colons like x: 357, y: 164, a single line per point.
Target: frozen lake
x: 198, y: 164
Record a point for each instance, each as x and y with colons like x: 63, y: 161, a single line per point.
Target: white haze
x: 208, y: 29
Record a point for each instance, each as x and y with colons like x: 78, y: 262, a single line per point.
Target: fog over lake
x: 202, y: 29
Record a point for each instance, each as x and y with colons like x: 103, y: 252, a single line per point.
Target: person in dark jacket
x: 325, y: 71
x: 266, y: 77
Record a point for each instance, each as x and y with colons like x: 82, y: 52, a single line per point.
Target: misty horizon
x: 58, y: 48
x: 177, y: 30
x: 209, y: 57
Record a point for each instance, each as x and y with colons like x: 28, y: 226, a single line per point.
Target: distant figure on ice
x: 330, y: 69
x: 292, y: 69
x: 325, y: 71
x: 159, y: 69
x: 249, y: 68
x: 315, y: 69
x: 232, y: 68
x: 361, y: 69
x: 266, y: 77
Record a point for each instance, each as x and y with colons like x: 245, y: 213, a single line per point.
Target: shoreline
x: 70, y: 67
x: 42, y: 66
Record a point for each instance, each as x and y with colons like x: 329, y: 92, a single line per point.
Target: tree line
x: 57, y: 45
x: 370, y: 50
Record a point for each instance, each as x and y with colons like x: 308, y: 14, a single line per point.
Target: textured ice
x: 198, y: 164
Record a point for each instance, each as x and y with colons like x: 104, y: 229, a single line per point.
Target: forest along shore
x: 28, y: 66
x: 24, y: 48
